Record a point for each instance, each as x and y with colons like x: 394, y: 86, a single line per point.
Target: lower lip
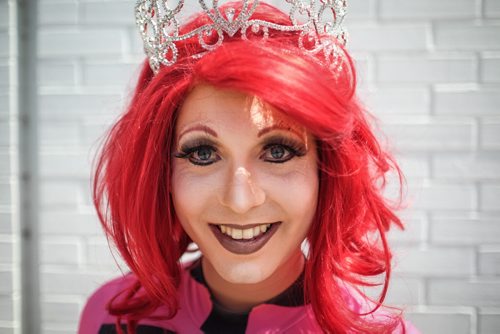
x: 244, y: 246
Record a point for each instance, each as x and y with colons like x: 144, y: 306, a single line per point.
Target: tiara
x: 320, y: 32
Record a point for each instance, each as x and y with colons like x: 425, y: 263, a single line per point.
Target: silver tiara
x: 320, y: 32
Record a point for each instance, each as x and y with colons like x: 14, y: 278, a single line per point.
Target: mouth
x: 244, y: 239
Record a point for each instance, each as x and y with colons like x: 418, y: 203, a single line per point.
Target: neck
x: 241, y: 298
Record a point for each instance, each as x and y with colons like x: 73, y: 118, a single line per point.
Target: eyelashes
x: 276, y: 149
x: 281, y: 149
x: 201, y: 152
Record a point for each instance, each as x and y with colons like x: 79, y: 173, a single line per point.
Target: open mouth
x: 245, y: 240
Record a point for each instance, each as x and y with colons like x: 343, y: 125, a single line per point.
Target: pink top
x: 198, y: 314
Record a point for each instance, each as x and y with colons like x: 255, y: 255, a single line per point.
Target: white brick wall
x: 430, y: 70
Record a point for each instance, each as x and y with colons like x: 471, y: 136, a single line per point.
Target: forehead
x: 219, y: 107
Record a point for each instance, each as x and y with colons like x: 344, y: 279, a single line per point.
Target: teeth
x: 246, y: 234
x: 237, y: 233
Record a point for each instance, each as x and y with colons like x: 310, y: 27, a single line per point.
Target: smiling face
x: 244, y: 183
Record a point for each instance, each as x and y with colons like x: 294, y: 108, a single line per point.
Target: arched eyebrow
x: 200, y: 127
x: 280, y: 127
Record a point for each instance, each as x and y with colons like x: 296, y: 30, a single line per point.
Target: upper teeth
x: 248, y: 233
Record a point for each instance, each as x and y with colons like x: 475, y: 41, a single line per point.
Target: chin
x: 244, y: 273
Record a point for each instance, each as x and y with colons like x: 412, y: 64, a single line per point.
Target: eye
x: 202, y: 155
x: 278, y: 153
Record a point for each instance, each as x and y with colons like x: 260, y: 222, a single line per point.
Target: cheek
x: 297, y: 191
x: 190, y: 193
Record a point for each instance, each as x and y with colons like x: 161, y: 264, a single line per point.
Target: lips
x: 244, y: 239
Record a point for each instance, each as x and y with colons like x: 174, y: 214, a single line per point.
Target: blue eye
x: 281, y: 149
x: 278, y: 153
x: 202, y: 155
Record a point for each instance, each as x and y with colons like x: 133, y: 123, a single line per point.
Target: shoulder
x: 95, y: 311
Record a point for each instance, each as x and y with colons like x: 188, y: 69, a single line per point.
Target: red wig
x: 133, y: 177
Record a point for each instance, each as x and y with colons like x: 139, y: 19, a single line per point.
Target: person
x: 251, y: 144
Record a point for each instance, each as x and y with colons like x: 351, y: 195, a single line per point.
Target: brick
x: 53, y: 252
x: 6, y: 248
x: 4, y: 75
x: 59, y: 12
x: 65, y: 164
x: 466, y: 166
x: 462, y: 36
x: 402, y: 291
x: 4, y: 164
x: 413, y: 232
x: 57, y: 312
x: 491, y: 8
x: 4, y: 15
x: 474, y: 103
x: 442, y: 196
x: 111, y: 74
x: 490, y: 70
x: 459, y: 292
x: 431, y: 135
x: 136, y: 45
x: 6, y: 308
x: 84, y: 42
x: 489, y: 323
x: 426, y: 9
x: 71, y: 283
x: 94, y: 131
x: 7, y: 328
x: 362, y: 10
x: 414, y: 167
x: 5, y: 195
x: 59, y: 134
x: 4, y: 103
x: 59, y: 194
x: 4, y: 44
x: 56, y: 73
x: 69, y: 223
x: 101, y: 255
x: 426, y: 69
x: 440, y: 322
x: 489, y: 262
x: 76, y: 106
x: 6, y: 225
x: 399, y: 101
x: 5, y: 139
x: 364, y: 73
x: 6, y: 278
x: 489, y: 133
x: 109, y: 12
x: 465, y: 231
x: 434, y: 261
x: 389, y: 37
x: 490, y: 197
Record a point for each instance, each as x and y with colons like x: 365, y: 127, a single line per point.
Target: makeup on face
x: 244, y: 183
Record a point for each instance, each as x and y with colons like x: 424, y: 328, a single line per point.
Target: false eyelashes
x: 203, y: 151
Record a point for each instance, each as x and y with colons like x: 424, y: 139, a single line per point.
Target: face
x: 244, y: 183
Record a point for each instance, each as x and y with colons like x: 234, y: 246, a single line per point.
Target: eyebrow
x: 279, y: 127
x: 200, y: 127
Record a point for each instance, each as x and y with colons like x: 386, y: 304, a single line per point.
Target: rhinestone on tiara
x: 321, y: 31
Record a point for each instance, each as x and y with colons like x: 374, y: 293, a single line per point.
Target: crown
x: 320, y: 32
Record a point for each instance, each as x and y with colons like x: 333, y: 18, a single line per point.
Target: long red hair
x: 132, y: 182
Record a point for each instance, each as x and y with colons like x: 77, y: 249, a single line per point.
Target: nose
x: 241, y: 193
